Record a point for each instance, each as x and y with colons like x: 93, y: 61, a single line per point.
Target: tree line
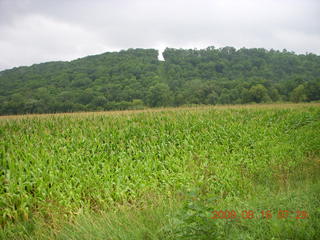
x: 135, y: 78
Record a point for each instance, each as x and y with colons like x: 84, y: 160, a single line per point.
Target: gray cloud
x: 34, y: 31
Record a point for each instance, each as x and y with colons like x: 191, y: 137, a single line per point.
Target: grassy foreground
x: 160, y: 174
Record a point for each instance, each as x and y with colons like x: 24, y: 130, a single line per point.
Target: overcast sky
x: 35, y: 31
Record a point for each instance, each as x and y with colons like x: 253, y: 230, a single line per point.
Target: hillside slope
x: 135, y: 78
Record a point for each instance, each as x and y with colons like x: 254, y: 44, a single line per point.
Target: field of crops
x: 63, y: 166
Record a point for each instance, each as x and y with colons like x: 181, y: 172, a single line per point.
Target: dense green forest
x: 135, y: 78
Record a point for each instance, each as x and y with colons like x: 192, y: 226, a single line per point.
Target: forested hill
x: 135, y: 78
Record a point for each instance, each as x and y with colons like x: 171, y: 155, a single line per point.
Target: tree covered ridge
x: 135, y: 78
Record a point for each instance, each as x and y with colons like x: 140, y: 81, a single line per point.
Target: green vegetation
x: 159, y: 174
x: 135, y: 78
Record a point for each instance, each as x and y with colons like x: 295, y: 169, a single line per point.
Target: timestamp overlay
x: 263, y: 214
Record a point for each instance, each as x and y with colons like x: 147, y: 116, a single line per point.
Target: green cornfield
x: 61, y: 166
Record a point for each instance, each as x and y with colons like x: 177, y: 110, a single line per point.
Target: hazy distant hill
x: 135, y: 78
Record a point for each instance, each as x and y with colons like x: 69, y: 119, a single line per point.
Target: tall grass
x: 59, y: 168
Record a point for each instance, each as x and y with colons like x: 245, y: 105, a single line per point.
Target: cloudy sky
x: 35, y: 31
